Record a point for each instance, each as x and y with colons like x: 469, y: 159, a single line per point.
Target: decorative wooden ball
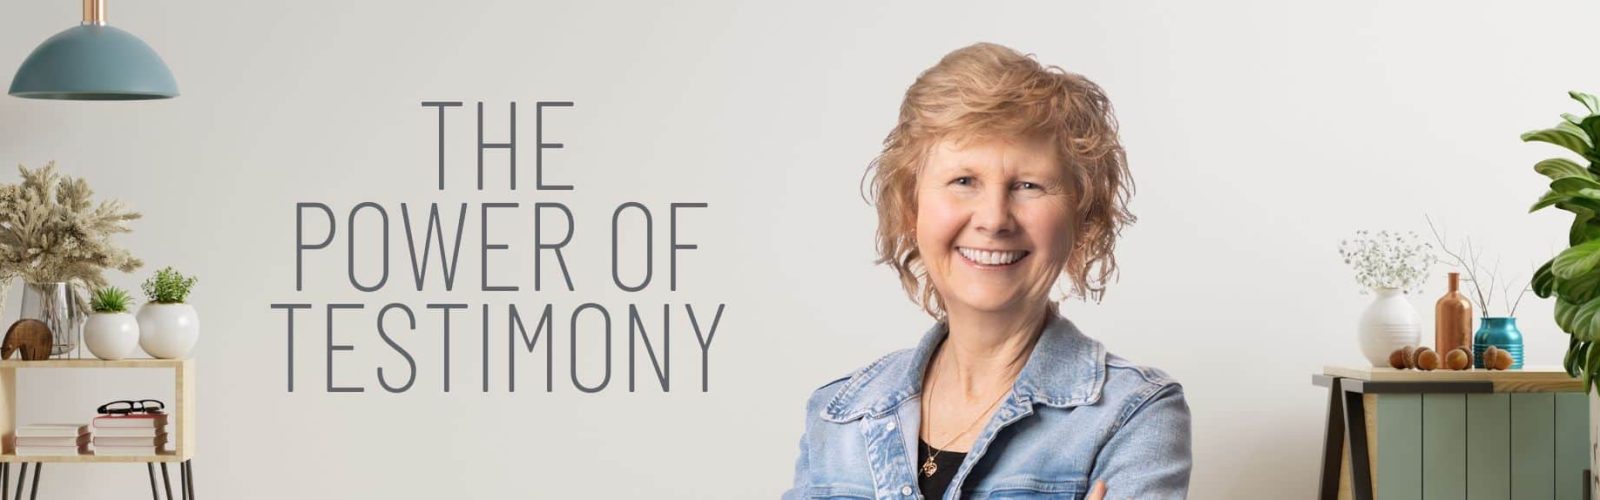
x: 1427, y: 359
x: 1502, y: 360
x: 1397, y: 359
x: 1458, y: 359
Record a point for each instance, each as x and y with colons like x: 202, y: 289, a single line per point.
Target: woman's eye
x: 962, y: 181
x: 1027, y: 185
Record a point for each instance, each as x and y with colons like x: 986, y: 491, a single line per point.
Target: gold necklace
x: 929, y: 467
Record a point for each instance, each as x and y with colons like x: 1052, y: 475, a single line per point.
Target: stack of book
x: 135, y: 435
x: 52, y: 439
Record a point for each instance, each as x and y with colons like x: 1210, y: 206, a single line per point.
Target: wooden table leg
x: 1355, y: 423
x: 1332, y: 444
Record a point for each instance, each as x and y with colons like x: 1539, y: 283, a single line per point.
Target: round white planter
x: 1388, y: 323
x: 111, y: 335
x: 168, y: 331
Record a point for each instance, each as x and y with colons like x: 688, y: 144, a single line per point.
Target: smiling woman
x: 1001, y: 176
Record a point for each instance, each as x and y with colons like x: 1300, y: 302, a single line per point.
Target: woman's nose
x: 992, y: 215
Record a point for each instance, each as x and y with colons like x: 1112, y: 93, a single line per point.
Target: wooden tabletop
x: 1527, y: 379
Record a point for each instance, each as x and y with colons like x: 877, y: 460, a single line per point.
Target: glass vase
x: 59, y: 306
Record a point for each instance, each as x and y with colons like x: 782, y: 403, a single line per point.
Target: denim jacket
x: 1074, y: 415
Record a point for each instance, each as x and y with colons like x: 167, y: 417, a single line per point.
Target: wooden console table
x: 1471, y: 434
x: 181, y: 417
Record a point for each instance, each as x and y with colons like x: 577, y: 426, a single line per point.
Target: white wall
x: 1260, y: 133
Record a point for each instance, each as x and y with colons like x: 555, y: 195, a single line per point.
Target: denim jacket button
x: 890, y: 426
x: 905, y: 490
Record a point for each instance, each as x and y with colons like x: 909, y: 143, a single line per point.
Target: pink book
x: 134, y: 421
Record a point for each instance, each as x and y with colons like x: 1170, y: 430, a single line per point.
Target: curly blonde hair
x: 988, y: 90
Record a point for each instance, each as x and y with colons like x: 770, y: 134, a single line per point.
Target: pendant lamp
x: 94, y: 62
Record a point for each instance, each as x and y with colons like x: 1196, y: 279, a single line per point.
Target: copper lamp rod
x: 94, y: 12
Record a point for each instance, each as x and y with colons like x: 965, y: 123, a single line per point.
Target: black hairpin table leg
x: 38, y: 470
x: 166, y: 480
x: 5, y: 480
x: 154, y: 493
x: 22, y: 479
x: 188, y: 479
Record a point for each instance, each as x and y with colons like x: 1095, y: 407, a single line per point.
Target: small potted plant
x: 168, y: 327
x: 111, y: 332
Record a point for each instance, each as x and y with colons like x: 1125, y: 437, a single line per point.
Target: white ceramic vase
x: 111, y: 335
x: 1388, y: 323
x: 168, y: 331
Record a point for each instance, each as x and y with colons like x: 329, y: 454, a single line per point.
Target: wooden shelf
x: 165, y: 456
x: 1527, y: 379
x: 97, y: 363
x: 180, y: 413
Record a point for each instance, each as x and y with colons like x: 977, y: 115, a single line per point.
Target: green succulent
x: 168, y: 286
x: 110, y: 300
x: 1572, y: 277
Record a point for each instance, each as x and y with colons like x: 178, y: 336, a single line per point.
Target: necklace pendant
x: 928, y: 467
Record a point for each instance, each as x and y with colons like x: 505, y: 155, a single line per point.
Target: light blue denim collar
x: 1065, y: 369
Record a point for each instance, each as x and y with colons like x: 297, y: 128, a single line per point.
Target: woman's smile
x: 991, y: 259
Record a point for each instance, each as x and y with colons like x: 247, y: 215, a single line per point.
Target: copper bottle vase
x: 1452, y: 325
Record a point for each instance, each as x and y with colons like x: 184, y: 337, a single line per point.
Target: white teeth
x: 990, y: 257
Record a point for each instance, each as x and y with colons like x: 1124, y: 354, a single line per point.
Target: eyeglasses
x: 126, y: 407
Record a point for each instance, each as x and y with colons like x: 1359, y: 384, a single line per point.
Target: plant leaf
x: 1577, y: 352
x: 1577, y: 260
x: 1590, y: 125
x: 1588, y: 101
x: 1575, y: 141
x: 1581, y: 289
x: 1549, y: 198
x: 1583, y: 226
x: 1582, y: 202
x: 1575, y: 130
x: 1564, y: 311
x: 1585, y: 323
x: 1544, y: 282
x: 1572, y: 185
x: 1559, y: 168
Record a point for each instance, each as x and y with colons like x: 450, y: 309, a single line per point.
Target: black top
x: 945, y: 466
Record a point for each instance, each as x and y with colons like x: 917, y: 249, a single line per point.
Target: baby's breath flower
x: 1388, y: 260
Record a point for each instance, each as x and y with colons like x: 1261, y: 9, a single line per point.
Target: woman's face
x: 993, y: 223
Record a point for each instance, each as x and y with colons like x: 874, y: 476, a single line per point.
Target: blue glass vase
x: 1500, y: 332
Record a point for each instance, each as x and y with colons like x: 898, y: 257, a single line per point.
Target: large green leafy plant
x: 1573, y: 277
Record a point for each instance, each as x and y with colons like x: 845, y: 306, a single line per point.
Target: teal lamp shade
x: 94, y: 62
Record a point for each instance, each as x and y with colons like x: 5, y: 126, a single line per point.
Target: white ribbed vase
x: 1387, y: 324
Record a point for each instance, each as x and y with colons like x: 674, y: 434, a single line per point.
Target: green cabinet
x: 1476, y: 435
